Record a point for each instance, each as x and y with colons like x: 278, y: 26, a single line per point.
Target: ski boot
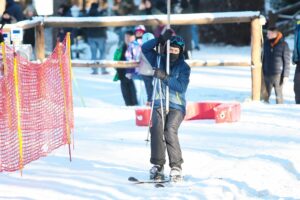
x: 175, y: 174
x: 157, y: 173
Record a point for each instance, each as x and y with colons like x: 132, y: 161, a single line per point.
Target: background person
x: 276, y: 64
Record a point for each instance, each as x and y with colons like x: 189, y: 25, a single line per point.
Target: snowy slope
x: 256, y: 158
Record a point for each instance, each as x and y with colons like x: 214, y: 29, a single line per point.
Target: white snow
x: 255, y: 158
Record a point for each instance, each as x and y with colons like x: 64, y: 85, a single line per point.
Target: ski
x: 137, y: 181
x: 157, y: 183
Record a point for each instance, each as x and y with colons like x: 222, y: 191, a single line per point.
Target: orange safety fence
x: 36, y: 106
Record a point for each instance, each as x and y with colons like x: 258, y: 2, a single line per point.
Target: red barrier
x: 142, y: 116
x: 221, y: 112
x: 200, y: 110
x: 227, y: 112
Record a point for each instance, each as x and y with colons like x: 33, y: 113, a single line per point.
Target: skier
x: 166, y: 138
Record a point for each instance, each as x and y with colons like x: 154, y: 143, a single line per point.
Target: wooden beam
x: 25, y: 24
x: 132, y: 64
x: 176, y: 19
x: 256, y: 48
x: 213, y: 63
x: 104, y: 63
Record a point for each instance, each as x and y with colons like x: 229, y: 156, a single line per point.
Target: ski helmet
x: 147, y: 36
x: 177, y: 41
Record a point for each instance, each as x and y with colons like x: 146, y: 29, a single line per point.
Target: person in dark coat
x: 29, y: 34
x: 122, y: 8
x: 276, y: 64
x: 165, y: 137
x: 14, y: 9
x: 64, y: 10
x: 296, y: 60
x: 97, y: 35
x: 183, y: 7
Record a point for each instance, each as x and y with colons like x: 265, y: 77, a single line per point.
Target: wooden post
x: 40, y: 42
x: 256, y: 70
x: 2, y: 6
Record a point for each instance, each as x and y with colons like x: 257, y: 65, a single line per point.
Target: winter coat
x: 177, y: 80
x: 296, y: 52
x: 133, y: 54
x: 276, y: 59
x: 296, y: 58
x: 120, y: 55
x: 97, y: 32
x: 185, y: 31
x: 14, y: 9
x: 145, y: 68
x: 125, y: 7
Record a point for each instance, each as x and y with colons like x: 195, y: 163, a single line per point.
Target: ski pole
x: 161, y: 105
x: 153, y: 95
x: 151, y: 112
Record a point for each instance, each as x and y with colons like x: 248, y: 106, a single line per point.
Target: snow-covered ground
x: 255, y: 158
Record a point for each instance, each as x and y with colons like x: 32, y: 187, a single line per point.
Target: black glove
x: 160, y: 74
x: 164, y: 37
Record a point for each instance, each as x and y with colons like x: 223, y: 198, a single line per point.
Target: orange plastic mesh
x: 45, y: 118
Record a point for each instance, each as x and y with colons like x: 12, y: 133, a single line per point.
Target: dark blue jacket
x: 14, y: 10
x: 276, y: 60
x: 97, y: 32
x: 177, y: 80
x: 296, y: 53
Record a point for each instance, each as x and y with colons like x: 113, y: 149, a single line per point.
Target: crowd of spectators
x: 14, y: 13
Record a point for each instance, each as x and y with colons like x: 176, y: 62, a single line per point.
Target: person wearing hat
x: 276, y: 64
x: 126, y: 83
x: 139, y: 32
x: 165, y: 138
x: 133, y: 53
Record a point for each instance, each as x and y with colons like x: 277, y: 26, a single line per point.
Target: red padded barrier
x: 142, y: 116
x: 200, y: 110
x: 227, y: 112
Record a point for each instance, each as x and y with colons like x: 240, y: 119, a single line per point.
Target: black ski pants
x: 128, y: 92
x: 276, y: 82
x: 166, y: 139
